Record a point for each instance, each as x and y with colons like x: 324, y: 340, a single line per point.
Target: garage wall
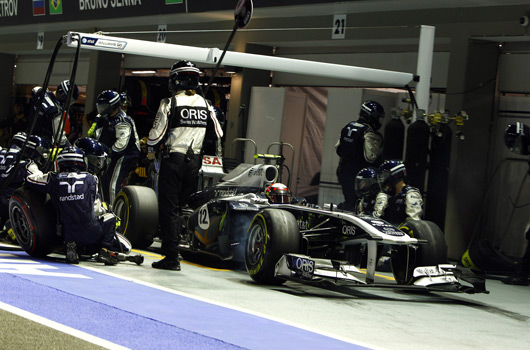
x: 31, y: 70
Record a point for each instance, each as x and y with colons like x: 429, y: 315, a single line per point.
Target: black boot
x: 168, y: 263
x: 71, y: 253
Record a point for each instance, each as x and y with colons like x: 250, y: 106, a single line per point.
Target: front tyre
x: 434, y: 252
x: 272, y: 233
x: 34, y: 222
x: 137, y: 208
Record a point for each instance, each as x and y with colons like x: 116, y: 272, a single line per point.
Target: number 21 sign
x: 339, y: 27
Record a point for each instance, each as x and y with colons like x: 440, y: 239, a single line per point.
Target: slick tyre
x: 137, y: 208
x: 406, y: 259
x: 34, y: 222
x: 272, y: 233
x: 435, y: 251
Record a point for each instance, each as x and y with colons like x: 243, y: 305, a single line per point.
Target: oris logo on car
x: 348, y: 230
x: 303, y: 267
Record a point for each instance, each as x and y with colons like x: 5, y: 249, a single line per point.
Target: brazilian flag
x: 56, y: 7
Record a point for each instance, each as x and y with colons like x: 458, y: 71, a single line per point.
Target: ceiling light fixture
x: 143, y: 72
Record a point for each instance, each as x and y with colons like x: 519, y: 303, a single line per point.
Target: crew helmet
x: 71, y: 159
x: 366, y: 183
x: 18, y: 140
x: 38, y: 150
x: 64, y: 88
x: 389, y: 174
x: 372, y: 113
x: 184, y: 75
x: 95, y: 153
x: 517, y: 138
x: 108, y: 102
x: 278, y: 193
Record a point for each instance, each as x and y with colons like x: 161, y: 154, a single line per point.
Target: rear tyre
x: 34, y: 222
x: 137, y: 208
x: 271, y: 234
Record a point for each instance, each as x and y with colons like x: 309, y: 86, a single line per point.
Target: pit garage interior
x: 480, y: 65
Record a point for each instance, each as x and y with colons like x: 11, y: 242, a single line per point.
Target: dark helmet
x: 71, y: 158
x: 18, y: 140
x: 184, y: 75
x: 278, y: 193
x: 64, y: 88
x: 366, y: 182
x: 389, y: 174
x: 95, y: 153
x: 517, y: 138
x: 37, y: 149
x: 372, y: 113
x: 107, y: 102
x: 36, y: 92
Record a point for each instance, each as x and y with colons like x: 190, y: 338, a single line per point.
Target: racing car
x: 294, y: 240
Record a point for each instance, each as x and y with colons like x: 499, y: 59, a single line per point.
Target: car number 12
x: 204, y: 217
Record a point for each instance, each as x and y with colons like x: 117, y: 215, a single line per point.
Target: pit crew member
x: 366, y: 190
x: 359, y: 146
x: 12, y: 176
x: 81, y: 217
x: 181, y: 125
x: 50, y: 112
x: 118, y: 133
x: 397, y: 202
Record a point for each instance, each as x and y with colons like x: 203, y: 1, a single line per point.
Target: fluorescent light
x: 143, y: 72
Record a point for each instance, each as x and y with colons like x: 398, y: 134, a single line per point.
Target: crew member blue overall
x: 118, y: 132
x: 82, y: 218
x: 50, y: 112
x: 397, y: 202
x: 359, y: 146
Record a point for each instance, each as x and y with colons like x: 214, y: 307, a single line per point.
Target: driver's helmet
x: 38, y: 149
x: 108, y: 102
x: 184, y: 75
x: 95, y: 153
x: 71, y: 159
x: 389, y: 174
x: 517, y: 138
x: 372, y: 113
x: 64, y: 88
x: 366, y: 184
x: 278, y: 193
x: 18, y: 140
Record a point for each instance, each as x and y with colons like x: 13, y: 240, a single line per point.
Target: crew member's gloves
x: 54, y: 152
x: 381, y: 202
x: 92, y: 131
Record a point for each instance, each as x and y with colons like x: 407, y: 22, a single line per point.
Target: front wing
x: 340, y: 276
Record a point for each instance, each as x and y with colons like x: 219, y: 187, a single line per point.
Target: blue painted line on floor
x: 141, y: 317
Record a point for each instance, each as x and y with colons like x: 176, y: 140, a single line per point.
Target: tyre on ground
x: 272, y: 233
x: 34, y: 222
x: 137, y: 208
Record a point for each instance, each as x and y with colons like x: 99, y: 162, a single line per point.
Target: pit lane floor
x: 211, y: 305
